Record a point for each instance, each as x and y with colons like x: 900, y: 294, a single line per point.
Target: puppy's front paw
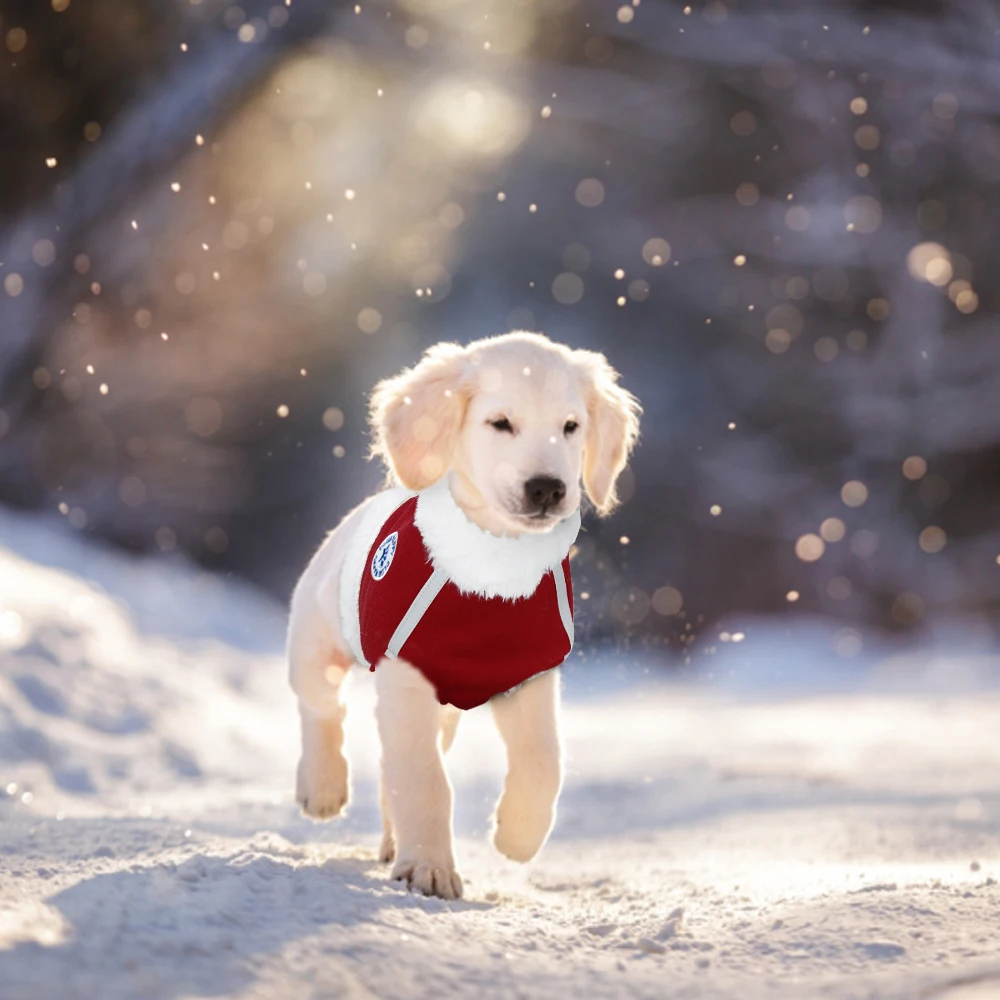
x: 430, y: 879
x: 521, y: 831
x: 321, y: 787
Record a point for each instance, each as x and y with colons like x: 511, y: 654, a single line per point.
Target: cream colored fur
x: 435, y: 422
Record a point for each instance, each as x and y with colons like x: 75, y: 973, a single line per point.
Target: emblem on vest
x: 382, y: 559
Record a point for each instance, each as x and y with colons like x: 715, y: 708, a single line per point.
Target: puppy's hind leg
x: 387, y: 850
x: 317, y: 669
x: 450, y: 717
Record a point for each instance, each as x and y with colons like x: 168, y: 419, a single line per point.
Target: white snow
x: 786, y: 831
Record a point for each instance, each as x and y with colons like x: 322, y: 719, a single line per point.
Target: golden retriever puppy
x: 453, y: 585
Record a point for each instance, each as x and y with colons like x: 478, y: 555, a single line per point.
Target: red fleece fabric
x: 470, y: 648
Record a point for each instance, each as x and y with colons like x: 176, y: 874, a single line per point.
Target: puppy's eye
x: 570, y: 426
x: 503, y: 425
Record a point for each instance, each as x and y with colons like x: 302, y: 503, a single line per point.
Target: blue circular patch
x: 382, y: 559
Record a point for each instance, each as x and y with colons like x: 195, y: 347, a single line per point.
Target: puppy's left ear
x: 416, y: 416
x: 612, y: 429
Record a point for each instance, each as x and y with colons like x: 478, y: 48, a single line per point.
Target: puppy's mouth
x: 538, y: 520
x: 546, y: 514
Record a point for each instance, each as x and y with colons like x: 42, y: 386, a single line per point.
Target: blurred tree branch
x: 192, y: 90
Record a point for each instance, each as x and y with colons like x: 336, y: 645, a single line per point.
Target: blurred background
x: 221, y: 223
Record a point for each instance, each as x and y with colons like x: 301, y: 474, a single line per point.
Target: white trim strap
x: 424, y: 599
x: 562, y: 598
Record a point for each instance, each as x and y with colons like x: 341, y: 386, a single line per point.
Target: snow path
x: 709, y: 844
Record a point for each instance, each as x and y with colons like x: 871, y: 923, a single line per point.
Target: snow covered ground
x: 784, y: 827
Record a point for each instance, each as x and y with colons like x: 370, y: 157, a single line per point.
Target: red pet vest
x: 469, y: 645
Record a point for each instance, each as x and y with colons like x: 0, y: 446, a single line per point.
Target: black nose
x: 543, y: 492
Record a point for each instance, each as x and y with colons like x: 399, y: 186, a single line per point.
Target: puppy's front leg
x: 528, y: 725
x: 416, y: 787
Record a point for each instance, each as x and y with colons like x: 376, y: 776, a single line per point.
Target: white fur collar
x: 479, y: 562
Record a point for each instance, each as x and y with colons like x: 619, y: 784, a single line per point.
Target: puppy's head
x: 520, y: 419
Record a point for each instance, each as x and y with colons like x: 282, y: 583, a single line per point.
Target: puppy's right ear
x: 416, y: 416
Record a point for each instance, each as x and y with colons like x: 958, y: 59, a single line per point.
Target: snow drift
x: 840, y: 839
